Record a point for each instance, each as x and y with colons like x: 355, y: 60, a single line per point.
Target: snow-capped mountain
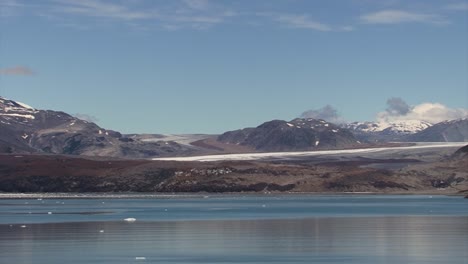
x: 402, y: 127
x: 297, y: 134
x: 386, y: 131
x: 26, y: 129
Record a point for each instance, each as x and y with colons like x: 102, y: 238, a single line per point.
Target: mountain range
x: 24, y: 129
x: 410, y: 131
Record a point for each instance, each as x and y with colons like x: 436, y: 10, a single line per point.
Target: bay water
x: 235, y: 229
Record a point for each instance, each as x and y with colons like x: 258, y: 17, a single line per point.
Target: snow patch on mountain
x: 399, y: 127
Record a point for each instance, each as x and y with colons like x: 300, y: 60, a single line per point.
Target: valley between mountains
x: 52, y: 151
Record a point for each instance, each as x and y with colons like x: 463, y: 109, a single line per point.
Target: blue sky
x: 201, y: 66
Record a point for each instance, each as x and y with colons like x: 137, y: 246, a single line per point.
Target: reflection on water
x: 324, y: 239
x: 321, y: 240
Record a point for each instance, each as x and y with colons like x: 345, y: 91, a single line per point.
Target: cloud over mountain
x: 328, y: 113
x: 399, y: 110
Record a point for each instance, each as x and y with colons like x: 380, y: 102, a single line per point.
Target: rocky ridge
x: 297, y: 134
x: 25, y: 129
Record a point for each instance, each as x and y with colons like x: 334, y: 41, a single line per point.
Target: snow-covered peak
x: 12, y: 110
x: 365, y: 126
x: 400, y: 127
x: 10, y: 105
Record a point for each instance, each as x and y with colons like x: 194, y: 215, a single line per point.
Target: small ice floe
x: 49, y: 213
x: 23, y: 226
x: 140, y: 258
x: 206, y: 197
x: 101, y: 231
x: 130, y: 219
x: 39, y: 199
x: 263, y: 205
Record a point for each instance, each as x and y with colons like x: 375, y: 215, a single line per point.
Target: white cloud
x: 301, y: 21
x: 17, y: 70
x: 399, y: 17
x: 457, y: 7
x: 429, y: 112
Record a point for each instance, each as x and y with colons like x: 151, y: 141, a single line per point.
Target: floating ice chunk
x: 130, y: 219
x: 101, y: 231
x: 140, y: 258
x: 289, y: 124
x: 49, y: 213
x: 317, y: 142
x: 23, y: 226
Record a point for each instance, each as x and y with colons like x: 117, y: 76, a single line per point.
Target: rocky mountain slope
x: 447, y: 131
x: 24, y: 129
x: 297, y: 134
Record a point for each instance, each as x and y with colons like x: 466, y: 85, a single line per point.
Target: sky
x: 208, y: 66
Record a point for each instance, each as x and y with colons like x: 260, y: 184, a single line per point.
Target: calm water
x: 236, y: 229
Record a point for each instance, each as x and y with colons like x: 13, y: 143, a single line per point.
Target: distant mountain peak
x: 401, y: 127
x: 26, y: 129
x: 297, y: 134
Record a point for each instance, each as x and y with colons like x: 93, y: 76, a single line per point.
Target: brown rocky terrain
x: 55, y: 173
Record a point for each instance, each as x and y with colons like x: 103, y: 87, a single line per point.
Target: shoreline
x: 5, y: 196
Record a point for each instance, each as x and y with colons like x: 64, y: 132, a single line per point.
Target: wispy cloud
x: 173, y: 15
x: 96, y: 8
x: 328, y: 113
x: 16, y: 70
x: 197, y: 4
x: 400, y: 16
x: 458, y: 7
x: 86, y: 117
x: 9, y: 7
x: 302, y: 21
